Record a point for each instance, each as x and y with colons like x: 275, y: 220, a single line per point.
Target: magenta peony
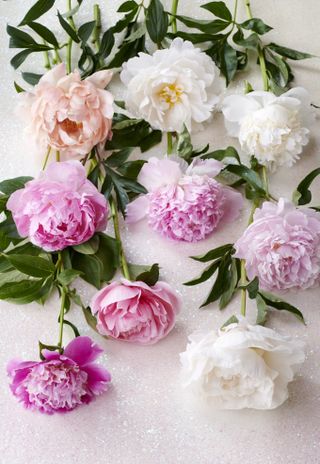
x: 282, y: 246
x: 59, y: 209
x: 184, y: 202
x: 61, y: 382
x: 69, y: 114
x: 135, y: 312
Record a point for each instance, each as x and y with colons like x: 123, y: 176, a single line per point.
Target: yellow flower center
x: 171, y: 94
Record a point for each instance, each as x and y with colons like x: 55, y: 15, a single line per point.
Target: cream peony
x: 273, y: 129
x: 174, y: 86
x: 245, y: 366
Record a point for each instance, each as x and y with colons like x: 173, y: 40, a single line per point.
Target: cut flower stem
x: 115, y: 217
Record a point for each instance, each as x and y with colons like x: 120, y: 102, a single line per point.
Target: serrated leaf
x: 31, y: 265
x: 213, y: 254
x: 37, y: 10
x: 256, y: 25
x: 219, y: 9
x: 156, y: 21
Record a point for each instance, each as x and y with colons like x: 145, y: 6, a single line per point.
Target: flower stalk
x: 69, y: 46
x: 169, y: 143
x: 46, y: 158
x: 97, y: 28
x: 174, y: 10
x: 115, y: 218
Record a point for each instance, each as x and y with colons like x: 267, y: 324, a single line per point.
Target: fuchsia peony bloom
x: 69, y: 114
x: 282, y: 246
x: 135, y: 312
x: 183, y: 202
x: 61, y: 208
x: 61, y: 382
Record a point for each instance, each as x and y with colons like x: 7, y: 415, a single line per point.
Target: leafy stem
x: 115, y: 217
x: 262, y: 61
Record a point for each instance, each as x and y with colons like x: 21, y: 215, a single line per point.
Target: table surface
x: 145, y: 417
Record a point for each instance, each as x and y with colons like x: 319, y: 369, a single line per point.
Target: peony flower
x: 174, y: 86
x: 245, y: 366
x: 135, y: 312
x: 68, y: 114
x: 61, y: 208
x: 282, y: 246
x: 183, y: 202
x: 273, y: 129
x: 61, y: 382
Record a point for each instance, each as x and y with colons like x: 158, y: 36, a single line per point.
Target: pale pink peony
x: 184, y: 202
x: 61, y: 208
x: 282, y: 246
x: 69, y: 114
x: 135, y: 312
x: 61, y: 382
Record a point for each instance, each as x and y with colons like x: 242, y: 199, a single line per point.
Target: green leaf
x: 156, y: 21
x: 22, y: 292
x: 44, y: 33
x: 206, y: 274
x: 252, y: 288
x: 37, y: 10
x: 215, y: 253
x: 250, y: 176
x: 73, y: 327
x: 229, y: 62
x: 31, y: 265
x: 88, y: 248
x: 229, y: 152
x: 11, y: 185
x: 131, y: 169
x: 150, y: 140
x: 124, y: 22
x: 68, y: 29
x: 31, y: 78
x: 127, y: 6
x: 107, y: 43
x: 19, y: 39
x: 220, y: 285
x: 289, y: 52
x: 209, y: 27
x: 108, y: 254
x: 193, y: 37
x: 85, y: 30
x: 275, y: 302
x: 232, y: 281
x: 117, y: 158
x: 303, y: 195
x: 262, y: 310
x: 232, y: 320
x: 219, y: 9
x: 90, y: 266
x: 150, y: 276
x: 251, y: 42
x: 184, y: 146
x: 256, y: 25
x: 126, y: 51
x: 67, y: 276
x: 19, y: 58
x: 43, y: 346
x: 90, y: 318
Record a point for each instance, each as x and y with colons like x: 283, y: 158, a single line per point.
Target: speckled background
x: 145, y: 418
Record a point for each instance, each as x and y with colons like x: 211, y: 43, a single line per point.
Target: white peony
x: 272, y: 128
x: 174, y: 86
x: 245, y: 366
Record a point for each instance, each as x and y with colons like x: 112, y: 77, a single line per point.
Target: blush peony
x: 61, y: 382
x: 244, y: 367
x: 183, y: 202
x: 174, y: 86
x: 282, y: 247
x: 273, y: 129
x: 136, y: 312
x: 69, y: 114
x: 61, y: 208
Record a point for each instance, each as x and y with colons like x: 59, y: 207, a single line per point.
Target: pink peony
x: 135, y: 312
x: 69, y: 114
x: 60, y: 209
x: 184, y: 202
x: 282, y: 246
x: 61, y: 382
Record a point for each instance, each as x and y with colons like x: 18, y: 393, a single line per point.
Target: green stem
x: 262, y: 61
x: 57, y: 155
x: 174, y: 10
x: 124, y: 264
x: 234, y: 19
x: 97, y: 28
x: 57, y: 56
x: 169, y: 143
x: 264, y: 176
x: 61, y: 318
x: 46, y: 159
x: 47, y: 63
x: 69, y: 46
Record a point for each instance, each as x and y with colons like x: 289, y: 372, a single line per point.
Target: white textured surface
x: 145, y: 418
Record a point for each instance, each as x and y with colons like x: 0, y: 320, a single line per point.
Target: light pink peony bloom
x: 62, y: 208
x: 282, y: 246
x: 135, y: 312
x: 184, y: 202
x: 61, y: 382
x: 69, y: 114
